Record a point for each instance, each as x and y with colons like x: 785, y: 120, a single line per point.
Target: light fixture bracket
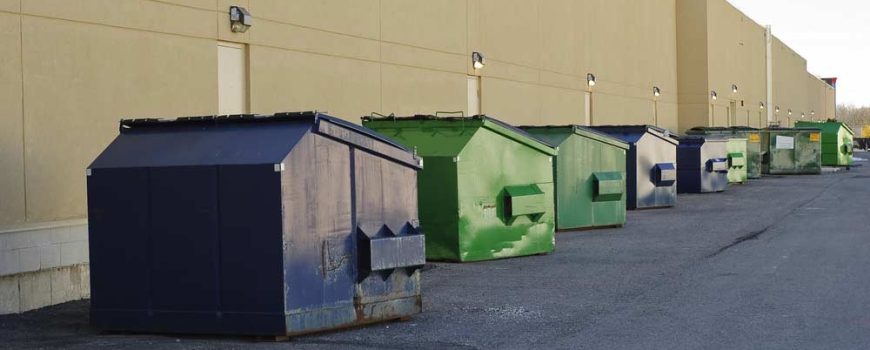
x: 240, y: 19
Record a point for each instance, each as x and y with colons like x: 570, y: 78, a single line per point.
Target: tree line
x: 855, y: 117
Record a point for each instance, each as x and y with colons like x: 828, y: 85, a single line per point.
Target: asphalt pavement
x: 780, y: 263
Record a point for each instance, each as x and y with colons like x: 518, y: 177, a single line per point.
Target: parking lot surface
x: 780, y: 263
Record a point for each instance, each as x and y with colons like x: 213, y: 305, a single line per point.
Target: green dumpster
x: 737, y: 160
x: 791, y: 151
x: 744, y: 150
x: 487, y: 188
x: 837, y: 141
x: 590, y: 176
x: 753, y: 149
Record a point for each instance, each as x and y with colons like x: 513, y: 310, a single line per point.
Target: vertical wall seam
x: 218, y: 245
x: 381, y: 57
x: 23, y: 121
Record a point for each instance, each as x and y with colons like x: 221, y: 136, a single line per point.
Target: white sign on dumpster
x: 784, y: 142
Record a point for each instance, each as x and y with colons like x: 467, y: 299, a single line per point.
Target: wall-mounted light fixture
x: 714, y: 95
x: 777, y: 109
x: 761, y: 105
x: 477, y: 60
x: 813, y: 113
x: 656, y: 91
x: 590, y: 79
x: 803, y: 115
x: 734, y: 88
x: 240, y: 19
x: 789, y: 112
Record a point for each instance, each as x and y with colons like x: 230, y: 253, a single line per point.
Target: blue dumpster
x: 702, y: 164
x: 252, y: 225
x: 651, y: 171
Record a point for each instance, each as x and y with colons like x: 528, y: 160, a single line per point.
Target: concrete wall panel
x: 80, y: 79
x: 434, y: 25
x: 283, y: 80
x: 408, y: 91
x: 11, y: 123
x: 358, y: 18
x: 149, y: 15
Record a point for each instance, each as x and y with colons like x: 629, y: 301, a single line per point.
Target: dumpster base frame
x: 204, y: 322
x: 589, y: 228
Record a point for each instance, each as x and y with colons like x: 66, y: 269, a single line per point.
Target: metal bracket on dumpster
x: 609, y: 186
x: 524, y: 200
x: 719, y: 165
x: 664, y: 174
x: 384, y: 251
x: 736, y: 160
x: 847, y: 149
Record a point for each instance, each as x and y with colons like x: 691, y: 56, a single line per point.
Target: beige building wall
x: 821, y: 96
x: 720, y: 47
x: 539, y: 52
x: 789, y: 84
x: 692, y: 64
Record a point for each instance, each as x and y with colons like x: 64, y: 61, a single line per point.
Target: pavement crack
x: 755, y: 234
x: 741, y: 239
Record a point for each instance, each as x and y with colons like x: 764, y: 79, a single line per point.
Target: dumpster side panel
x: 486, y: 167
x: 631, y: 176
x: 251, y: 249
x: 183, y: 228
x: 176, y: 253
x: 689, y: 164
x: 439, y: 205
x: 606, y: 158
x: 702, y: 165
x: 651, y: 151
x: 781, y: 152
x: 715, y: 157
x: 578, y: 160
x: 318, y: 236
x: 808, y: 152
x: 792, y: 152
x: 738, y: 160
x: 844, y: 147
x: 120, y: 257
x: 753, y: 155
x: 386, y: 207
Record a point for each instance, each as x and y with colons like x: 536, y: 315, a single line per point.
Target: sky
x: 832, y: 35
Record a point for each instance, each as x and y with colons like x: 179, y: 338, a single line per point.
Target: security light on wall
x: 240, y: 19
x: 777, y: 109
x: 734, y: 88
x: 714, y: 95
x: 789, y: 112
x: 656, y: 91
x: 813, y: 113
x: 590, y: 79
x: 803, y: 115
x: 477, y: 60
x: 761, y: 105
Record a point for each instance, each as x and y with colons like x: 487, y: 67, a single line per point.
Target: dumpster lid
x: 803, y: 128
x: 490, y: 123
x: 582, y: 131
x: 234, y: 140
x: 633, y: 133
x: 825, y: 126
x: 702, y: 139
